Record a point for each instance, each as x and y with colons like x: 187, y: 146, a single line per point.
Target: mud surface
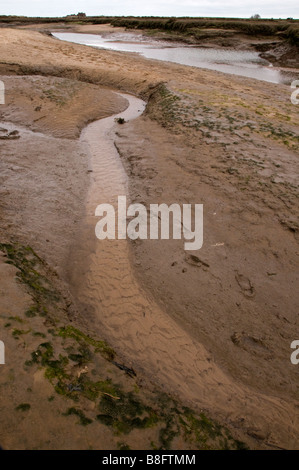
x: 214, y: 327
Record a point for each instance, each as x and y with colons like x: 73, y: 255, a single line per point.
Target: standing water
x: 243, y: 63
x: 103, y: 279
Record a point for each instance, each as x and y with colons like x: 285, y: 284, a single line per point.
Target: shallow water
x: 103, y: 278
x: 144, y: 336
x: 243, y: 63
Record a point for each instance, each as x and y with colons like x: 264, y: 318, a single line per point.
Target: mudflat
x: 212, y: 327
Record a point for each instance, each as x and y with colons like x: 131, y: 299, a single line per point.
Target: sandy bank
x: 229, y: 143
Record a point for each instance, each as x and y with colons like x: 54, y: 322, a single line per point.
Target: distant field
x: 196, y: 27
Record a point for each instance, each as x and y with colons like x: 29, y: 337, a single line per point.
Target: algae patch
x: 81, y: 369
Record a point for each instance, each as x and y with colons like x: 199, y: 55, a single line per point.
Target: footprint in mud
x: 249, y: 343
x: 245, y: 285
x: 147, y: 173
x: 9, y: 135
x: 195, y: 261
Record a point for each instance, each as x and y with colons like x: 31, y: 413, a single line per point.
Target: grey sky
x: 229, y: 8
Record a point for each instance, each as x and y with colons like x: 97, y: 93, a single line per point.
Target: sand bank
x: 218, y: 329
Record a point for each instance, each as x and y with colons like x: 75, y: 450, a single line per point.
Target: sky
x: 229, y: 8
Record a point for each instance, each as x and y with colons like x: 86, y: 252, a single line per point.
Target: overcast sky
x: 229, y: 8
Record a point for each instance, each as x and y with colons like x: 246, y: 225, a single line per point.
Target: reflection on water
x: 244, y: 63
